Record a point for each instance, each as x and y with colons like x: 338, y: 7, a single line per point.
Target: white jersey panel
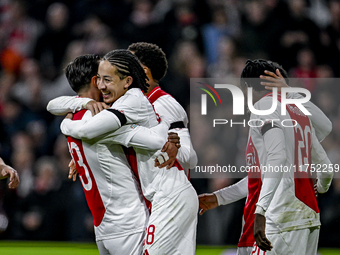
x: 167, y: 107
x: 286, y: 212
x: 125, y: 210
x: 152, y: 179
x: 136, y: 108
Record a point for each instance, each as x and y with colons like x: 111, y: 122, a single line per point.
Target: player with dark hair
x: 111, y: 189
x: 8, y: 172
x: 81, y: 71
x: 275, y: 145
x: 250, y: 73
x: 174, y: 200
x: 155, y: 65
x: 153, y: 61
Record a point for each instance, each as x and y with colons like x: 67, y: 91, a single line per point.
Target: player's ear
x: 128, y: 82
x: 94, y: 81
x: 148, y: 72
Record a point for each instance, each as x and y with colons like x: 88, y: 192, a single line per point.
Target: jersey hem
x: 117, y: 235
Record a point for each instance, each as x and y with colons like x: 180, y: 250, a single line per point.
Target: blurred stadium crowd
x: 202, y: 38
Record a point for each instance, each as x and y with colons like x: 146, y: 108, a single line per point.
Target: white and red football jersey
x: 154, y: 181
x: 132, y: 108
x: 112, y: 191
x: 167, y: 107
x: 287, y: 193
x: 250, y: 186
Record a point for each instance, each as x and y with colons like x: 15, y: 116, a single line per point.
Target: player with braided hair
x: 172, y: 224
x: 127, y: 65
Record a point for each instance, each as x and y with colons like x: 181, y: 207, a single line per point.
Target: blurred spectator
x: 31, y: 88
x: 18, y: 35
x: 331, y: 38
x: 298, y: 32
x: 51, y: 45
x: 226, y: 52
x: 305, y: 69
x: 319, y: 13
x: 260, y: 28
x: 214, y: 32
x: 96, y: 35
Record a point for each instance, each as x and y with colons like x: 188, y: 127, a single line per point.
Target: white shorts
x: 129, y: 245
x: 296, y: 242
x: 244, y: 250
x: 172, y: 225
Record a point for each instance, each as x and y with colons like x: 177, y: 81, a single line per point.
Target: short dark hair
x: 128, y: 65
x: 255, y: 68
x: 80, y: 71
x: 151, y: 56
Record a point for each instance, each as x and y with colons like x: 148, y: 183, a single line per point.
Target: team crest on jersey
x: 133, y: 126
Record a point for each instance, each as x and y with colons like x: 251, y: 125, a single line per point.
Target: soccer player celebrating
x: 172, y: 224
x: 110, y: 186
x: 293, y: 209
x: 155, y: 65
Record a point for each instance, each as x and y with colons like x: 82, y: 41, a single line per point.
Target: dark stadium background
x: 202, y: 38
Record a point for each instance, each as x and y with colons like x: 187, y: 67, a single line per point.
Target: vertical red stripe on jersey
x: 132, y: 160
x: 304, y: 187
x: 91, y: 191
x: 254, y: 188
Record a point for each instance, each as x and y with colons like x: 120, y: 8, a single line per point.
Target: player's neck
x: 90, y: 94
x: 152, y: 85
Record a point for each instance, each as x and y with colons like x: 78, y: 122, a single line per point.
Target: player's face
x: 109, y: 83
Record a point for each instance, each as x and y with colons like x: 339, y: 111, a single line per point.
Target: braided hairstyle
x: 127, y: 64
x: 250, y: 75
x: 80, y: 71
x: 152, y: 56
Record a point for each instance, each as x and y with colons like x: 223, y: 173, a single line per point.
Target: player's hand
x: 171, y: 150
x: 174, y: 138
x: 96, y: 107
x: 14, y: 180
x: 273, y: 80
x: 259, y: 233
x: 69, y: 116
x: 207, y: 202
x: 72, y: 173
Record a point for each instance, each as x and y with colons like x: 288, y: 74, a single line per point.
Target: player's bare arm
x: 8, y: 172
x: 207, y: 202
x: 259, y: 233
x: 273, y: 80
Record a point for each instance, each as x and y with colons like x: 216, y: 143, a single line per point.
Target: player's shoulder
x: 267, y: 102
x: 169, y: 100
x: 133, y: 98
